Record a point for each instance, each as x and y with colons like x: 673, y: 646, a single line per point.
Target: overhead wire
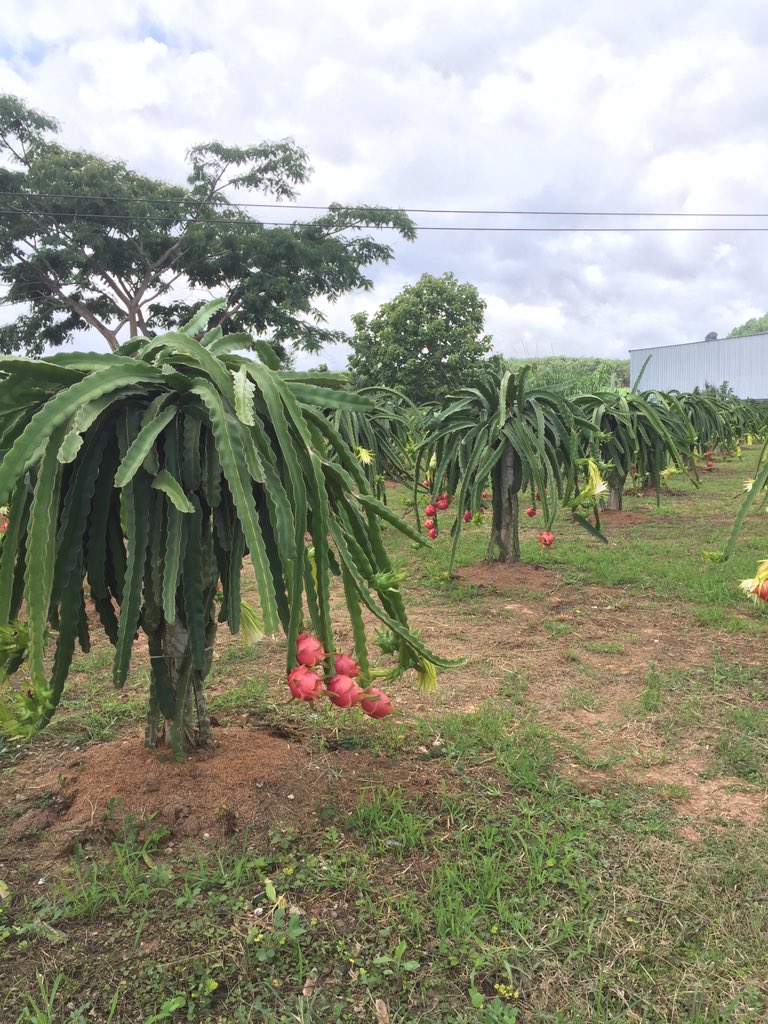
x: 479, y: 228
x: 401, y: 209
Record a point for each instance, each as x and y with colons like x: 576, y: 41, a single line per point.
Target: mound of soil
x: 251, y: 780
x: 504, y: 577
x: 612, y: 518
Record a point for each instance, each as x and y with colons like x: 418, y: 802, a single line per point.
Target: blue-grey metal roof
x: 742, y: 362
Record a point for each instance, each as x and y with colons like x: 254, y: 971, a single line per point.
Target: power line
x: 523, y: 229
x: 400, y: 209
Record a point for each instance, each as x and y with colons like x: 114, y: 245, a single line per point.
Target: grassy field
x: 572, y: 828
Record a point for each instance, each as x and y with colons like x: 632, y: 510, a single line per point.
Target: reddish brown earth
x: 252, y: 780
x: 611, y: 519
x: 523, y: 629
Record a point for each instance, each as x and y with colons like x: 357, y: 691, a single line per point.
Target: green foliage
x: 428, y: 341
x: 575, y: 374
x: 88, y: 243
x: 385, y: 437
x: 757, y: 325
x: 521, y: 436
x: 718, y: 420
x: 149, y: 474
x: 642, y: 432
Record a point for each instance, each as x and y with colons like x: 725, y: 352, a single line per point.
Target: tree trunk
x: 506, y: 510
x: 615, y: 491
x: 177, y: 691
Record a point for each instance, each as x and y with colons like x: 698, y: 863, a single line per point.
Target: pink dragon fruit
x: 309, y: 650
x: 344, y: 691
x: 376, y: 704
x: 346, y: 666
x: 303, y: 684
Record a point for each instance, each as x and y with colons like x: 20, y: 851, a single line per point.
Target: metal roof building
x: 742, y: 362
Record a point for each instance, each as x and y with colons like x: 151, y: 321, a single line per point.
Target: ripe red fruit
x: 346, y: 666
x: 531, y: 512
x: 467, y: 516
x: 761, y: 590
x: 309, y: 650
x: 429, y: 524
x: 303, y: 684
x: 546, y: 539
x: 710, y: 465
x: 485, y: 494
x: 708, y: 454
x: 377, y: 704
x: 442, y: 504
x: 430, y: 510
x: 344, y: 691
x: 432, y: 534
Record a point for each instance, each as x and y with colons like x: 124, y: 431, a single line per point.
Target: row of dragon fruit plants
x: 139, y: 482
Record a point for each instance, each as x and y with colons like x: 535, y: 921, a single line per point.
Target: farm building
x: 742, y: 362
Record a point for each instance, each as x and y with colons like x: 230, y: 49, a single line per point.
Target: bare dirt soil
x: 574, y: 656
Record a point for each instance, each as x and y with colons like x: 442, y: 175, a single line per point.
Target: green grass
x: 497, y: 887
x: 557, y: 628
x: 469, y: 878
x: 661, y: 556
x: 577, y: 698
x: 604, y: 646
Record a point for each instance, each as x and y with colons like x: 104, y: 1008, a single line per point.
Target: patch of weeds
x: 651, y: 700
x: 129, y: 877
x: 555, y: 629
x: 239, y: 696
x: 572, y: 656
x: 235, y: 652
x: 94, y: 661
x: 671, y: 790
x: 714, y: 617
x: 579, y: 699
x: 388, y: 819
x: 604, y: 646
x: 574, y: 577
x: 95, y: 712
x: 514, y: 687
x: 742, y: 745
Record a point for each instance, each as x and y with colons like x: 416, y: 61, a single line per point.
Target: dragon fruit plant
x: 140, y: 480
x: 521, y: 437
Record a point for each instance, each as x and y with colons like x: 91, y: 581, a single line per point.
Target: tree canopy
x: 86, y: 242
x: 428, y: 341
x: 757, y: 325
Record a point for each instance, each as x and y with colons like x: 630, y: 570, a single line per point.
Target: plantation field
x: 573, y: 827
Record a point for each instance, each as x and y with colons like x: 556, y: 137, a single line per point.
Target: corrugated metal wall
x: 743, y: 362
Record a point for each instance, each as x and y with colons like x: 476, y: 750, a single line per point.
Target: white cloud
x: 448, y: 105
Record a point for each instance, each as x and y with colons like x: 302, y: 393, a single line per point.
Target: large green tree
x: 85, y: 242
x: 427, y: 342
x: 757, y: 325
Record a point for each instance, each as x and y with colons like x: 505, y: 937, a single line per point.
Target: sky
x: 526, y: 105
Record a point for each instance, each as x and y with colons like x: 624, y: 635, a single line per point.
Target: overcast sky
x: 492, y: 105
